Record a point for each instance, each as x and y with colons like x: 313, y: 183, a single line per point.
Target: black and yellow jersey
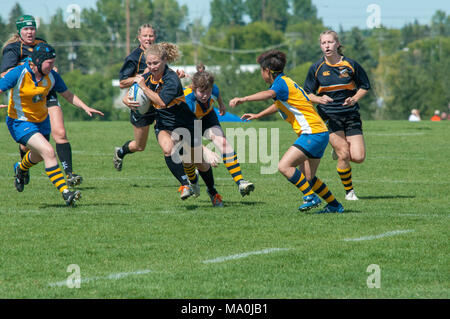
x: 338, y: 81
x: 134, y: 64
x: 169, y: 88
x: 17, y: 53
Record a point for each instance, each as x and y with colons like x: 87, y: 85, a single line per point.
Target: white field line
x: 389, y: 233
x: 394, y: 134
x: 109, y: 277
x: 243, y: 255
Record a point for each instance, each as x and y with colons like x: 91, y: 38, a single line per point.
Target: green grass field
x: 132, y: 237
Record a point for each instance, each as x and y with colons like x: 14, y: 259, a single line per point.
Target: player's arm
x: 323, y: 99
x: 76, y: 101
x: 352, y: 100
x: 268, y: 111
x: 260, y: 96
x: 126, y: 83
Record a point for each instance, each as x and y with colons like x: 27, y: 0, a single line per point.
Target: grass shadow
x: 46, y: 206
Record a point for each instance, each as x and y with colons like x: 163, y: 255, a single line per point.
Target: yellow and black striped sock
x: 56, y: 177
x: 321, y: 189
x: 346, y: 178
x: 234, y: 168
x: 189, y: 169
x: 26, y: 163
x: 300, y: 181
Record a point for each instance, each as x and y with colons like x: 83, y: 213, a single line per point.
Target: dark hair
x: 274, y: 60
x: 202, y: 80
x: 200, y: 67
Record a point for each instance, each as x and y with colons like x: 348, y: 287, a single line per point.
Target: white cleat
x: 245, y: 187
x: 351, y: 195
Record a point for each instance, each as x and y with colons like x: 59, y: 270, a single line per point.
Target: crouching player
x: 28, y: 120
x: 201, y: 96
x: 296, y: 108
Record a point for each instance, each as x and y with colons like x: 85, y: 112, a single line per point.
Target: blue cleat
x: 332, y: 209
x: 309, y: 202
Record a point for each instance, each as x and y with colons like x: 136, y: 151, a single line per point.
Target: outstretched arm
x: 260, y: 96
x: 76, y: 101
x: 251, y: 116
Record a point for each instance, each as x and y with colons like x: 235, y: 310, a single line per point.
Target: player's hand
x: 249, y: 117
x: 3, y: 106
x: 324, y: 99
x: 133, y: 105
x: 181, y: 74
x: 139, y: 79
x: 90, y: 111
x: 236, y: 101
x: 222, y: 110
x: 350, y: 101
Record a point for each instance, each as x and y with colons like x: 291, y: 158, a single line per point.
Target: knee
x: 48, y: 152
x: 282, y: 168
x: 59, y: 135
x: 343, y: 154
x: 359, y: 158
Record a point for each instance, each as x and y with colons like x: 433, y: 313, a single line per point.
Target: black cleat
x: 19, y: 182
x: 71, y: 197
x: 74, y: 179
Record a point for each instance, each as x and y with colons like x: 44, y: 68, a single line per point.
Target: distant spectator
x: 444, y: 116
x: 414, y: 116
x: 436, y: 117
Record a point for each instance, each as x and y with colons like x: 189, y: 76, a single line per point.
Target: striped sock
x: 189, y: 169
x: 299, y: 180
x: 346, y: 178
x: 321, y: 189
x: 56, y: 177
x: 233, y: 167
x: 26, y: 163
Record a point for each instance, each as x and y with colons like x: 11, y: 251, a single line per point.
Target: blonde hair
x: 13, y: 38
x: 165, y: 50
x: 335, y: 37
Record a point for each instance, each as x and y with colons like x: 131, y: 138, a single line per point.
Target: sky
x: 345, y: 13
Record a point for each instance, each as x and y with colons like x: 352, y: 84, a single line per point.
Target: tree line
x: 408, y: 67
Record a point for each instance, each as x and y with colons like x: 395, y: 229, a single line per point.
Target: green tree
x: 226, y: 13
x: 303, y: 10
x: 274, y: 12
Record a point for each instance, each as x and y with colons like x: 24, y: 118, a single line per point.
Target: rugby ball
x: 137, y: 94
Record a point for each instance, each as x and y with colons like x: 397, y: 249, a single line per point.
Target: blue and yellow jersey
x: 198, y: 108
x: 339, y: 81
x: 295, y: 107
x: 27, y: 97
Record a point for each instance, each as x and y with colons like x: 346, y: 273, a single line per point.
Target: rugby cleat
x: 71, y: 197
x: 216, y: 200
x: 332, y: 209
x: 185, y: 191
x: 351, y: 195
x: 195, y: 190
x: 117, y: 160
x: 245, y: 187
x: 26, y: 177
x: 19, y: 182
x: 74, y: 179
x: 309, y: 202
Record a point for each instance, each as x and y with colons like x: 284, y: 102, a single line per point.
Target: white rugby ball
x: 137, y: 94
